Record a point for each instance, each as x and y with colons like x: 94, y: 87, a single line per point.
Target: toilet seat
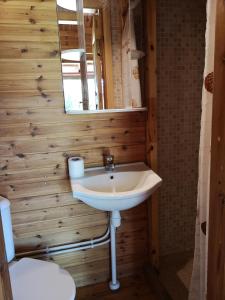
x: 33, y: 279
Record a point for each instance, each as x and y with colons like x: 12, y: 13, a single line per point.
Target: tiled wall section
x: 180, y: 45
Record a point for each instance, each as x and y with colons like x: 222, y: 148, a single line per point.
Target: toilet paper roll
x: 76, y: 167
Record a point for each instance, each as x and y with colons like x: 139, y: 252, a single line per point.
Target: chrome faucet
x: 109, y: 162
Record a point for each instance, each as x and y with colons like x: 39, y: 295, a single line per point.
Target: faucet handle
x: 109, y: 158
x: 109, y: 162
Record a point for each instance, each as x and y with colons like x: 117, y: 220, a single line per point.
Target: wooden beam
x: 151, y: 100
x: 216, y: 250
x: 94, y: 4
x: 97, y: 42
x: 108, y: 68
x: 84, y: 81
x: 5, y: 286
x: 65, y: 14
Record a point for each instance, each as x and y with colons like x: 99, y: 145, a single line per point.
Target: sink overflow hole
x: 111, y: 177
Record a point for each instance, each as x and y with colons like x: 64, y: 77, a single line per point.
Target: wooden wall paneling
x: 59, y: 225
x: 43, y: 143
x: 34, y: 240
x: 15, y: 116
x: 123, y: 154
x: 27, y: 49
x: 37, y: 137
x: 26, y: 69
x: 26, y: 33
x: 151, y: 100
x: 74, y: 210
x: 27, y: 99
x: 28, y: 12
x: 41, y: 202
x: 67, y: 223
x: 216, y: 247
x: 127, y: 265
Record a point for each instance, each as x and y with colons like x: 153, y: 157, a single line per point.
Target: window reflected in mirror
x: 102, y: 54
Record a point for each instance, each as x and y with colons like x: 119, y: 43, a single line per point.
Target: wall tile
x: 180, y: 45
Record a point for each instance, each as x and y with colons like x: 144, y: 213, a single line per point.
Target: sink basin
x: 125, y: 187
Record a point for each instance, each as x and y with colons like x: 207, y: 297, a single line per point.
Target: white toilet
x: 33, y: 279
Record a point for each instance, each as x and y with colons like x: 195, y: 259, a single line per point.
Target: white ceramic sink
x: 125, y: 187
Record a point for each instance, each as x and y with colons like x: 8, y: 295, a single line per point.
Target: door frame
x: 5, y: 285
x: 216, y: 245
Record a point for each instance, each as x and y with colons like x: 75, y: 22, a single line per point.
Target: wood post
x: 151, y: 100
x: 216, y: 250
x: 107, y: 58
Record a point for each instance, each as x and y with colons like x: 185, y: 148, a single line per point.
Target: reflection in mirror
x: 102, y: 53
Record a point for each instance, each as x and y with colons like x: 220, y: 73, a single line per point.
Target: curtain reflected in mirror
x: 102, y: 54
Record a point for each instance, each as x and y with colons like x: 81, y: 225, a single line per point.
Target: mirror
x: 102, y: 54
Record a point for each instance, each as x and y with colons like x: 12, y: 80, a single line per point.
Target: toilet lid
x: 33, y: 279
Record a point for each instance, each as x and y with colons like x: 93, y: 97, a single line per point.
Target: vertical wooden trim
x: 216, y: 250
x: 83, y: 57
x: 108, y: 68
x: 84, y: 81
x: 151, y: 100
x: 97, y: 49
x: 5, y: 286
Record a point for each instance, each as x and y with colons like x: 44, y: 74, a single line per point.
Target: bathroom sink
x: 125, y: 187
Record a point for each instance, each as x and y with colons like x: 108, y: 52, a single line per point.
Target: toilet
x: 33, y: 279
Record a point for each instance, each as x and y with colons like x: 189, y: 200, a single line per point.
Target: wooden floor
x: 132, y: 288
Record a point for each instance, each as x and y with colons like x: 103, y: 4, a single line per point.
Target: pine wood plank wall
x: 37, y: 137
